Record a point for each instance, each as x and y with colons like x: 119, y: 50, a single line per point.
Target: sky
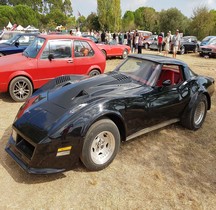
x: 85, y: 7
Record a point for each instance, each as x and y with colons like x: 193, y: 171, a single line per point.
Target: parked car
x: 16, y: 44
x: 74, y: 118
x: 207, y: 40
x: 113, y: 49
x: 208, y: 50
x: 6, y: 35
x: 148, y: 41
x: 187, y: 44
x: 47, y: 57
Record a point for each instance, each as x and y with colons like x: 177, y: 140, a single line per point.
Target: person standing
x: 140, y: 43
x: 176, y: 43
x: 167, y: 40
x: 160, y: 42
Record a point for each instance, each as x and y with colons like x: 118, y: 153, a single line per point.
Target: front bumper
x: 11, y: 150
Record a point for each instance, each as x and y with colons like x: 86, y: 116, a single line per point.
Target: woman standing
x: 167, y: 44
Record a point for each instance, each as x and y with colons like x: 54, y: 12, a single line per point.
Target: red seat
x: 166, y: 75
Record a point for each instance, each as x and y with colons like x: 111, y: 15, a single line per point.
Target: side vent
x: 62, y: 79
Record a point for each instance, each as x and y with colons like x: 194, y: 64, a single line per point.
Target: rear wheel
x: 125, y: 54
x: 101, y: 145
x: 94, y: 72
x: 20, y: 89
x: 182, y: 50
x: 196, y: 117
x: 196, y: 49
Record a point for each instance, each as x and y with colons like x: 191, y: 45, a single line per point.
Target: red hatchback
x: 47, y: 57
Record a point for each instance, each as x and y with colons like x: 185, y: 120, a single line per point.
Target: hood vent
x: 120, y: 77
x: 62, y: 79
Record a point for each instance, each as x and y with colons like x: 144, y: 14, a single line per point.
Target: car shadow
x: 18, y: 174
x: 6, y: 98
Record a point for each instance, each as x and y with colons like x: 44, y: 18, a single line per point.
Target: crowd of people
x: 135, y: 39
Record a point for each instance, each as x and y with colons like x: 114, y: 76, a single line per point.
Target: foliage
x: 128, y: 21
x: 7, y: 14
x: 92, y: 22
x: 24, y: 16
x: 202, y: 23
x: 109, y: 14
x: 172, y: 19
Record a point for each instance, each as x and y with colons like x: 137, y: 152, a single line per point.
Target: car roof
x: 158, y: 59
x: 67, y: 36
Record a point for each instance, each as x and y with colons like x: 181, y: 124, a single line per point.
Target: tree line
x: 48, y: 14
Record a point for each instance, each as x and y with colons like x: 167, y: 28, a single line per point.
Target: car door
x: 160, y: 103
x: 170, y: 95
x: 55, y: 60
x: 83, y: 56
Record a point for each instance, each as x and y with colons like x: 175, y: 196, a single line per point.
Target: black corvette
x: 75, y: 118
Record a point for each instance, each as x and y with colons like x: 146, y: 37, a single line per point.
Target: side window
x: 60, y: 49
x: 172, y: 73
x: 82, y: 49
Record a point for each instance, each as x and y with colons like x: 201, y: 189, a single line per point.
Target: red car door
x: 55, y: 60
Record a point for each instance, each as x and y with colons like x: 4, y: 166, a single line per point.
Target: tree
x: 109, y: 14
x: 7, y: 14
x: 128, y: 21
x: 202, y: 23
x: 172, y: 19
x: 67, y: 8
x: 24, y: 16
x: 146, y: 18
x: 92, y: 22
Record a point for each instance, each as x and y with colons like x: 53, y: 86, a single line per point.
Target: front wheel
x: 197, y: 114
x: 125, y: 54
x: 101, y: 145
x: 182, y: 50
x: 20, y: 89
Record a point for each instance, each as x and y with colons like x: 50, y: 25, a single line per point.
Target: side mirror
x: 16, y: 44
x: 167, y: 82
x: 50, y: 57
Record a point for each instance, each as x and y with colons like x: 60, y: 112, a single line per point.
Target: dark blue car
x: 17, y: 43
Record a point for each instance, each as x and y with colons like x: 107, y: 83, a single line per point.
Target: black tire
x: 101, y: 145
x: 196, y: 49
x: 20, y: 89
x: 182, y: 50
x: 94, y: 72
x: 125, y: 54
x: 197, y: 114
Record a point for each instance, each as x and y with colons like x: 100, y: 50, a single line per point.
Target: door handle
x: 70, y: 61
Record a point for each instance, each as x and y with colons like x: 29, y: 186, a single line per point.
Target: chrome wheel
x: 199, y: 113
x: 20, y: 89
x: 124, y: 54
x: 102, y: 147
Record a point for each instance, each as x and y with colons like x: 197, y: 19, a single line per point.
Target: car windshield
x: 33, y: 49
x: 186, y: 39
x: 12, y: 40
x: 144, y: 71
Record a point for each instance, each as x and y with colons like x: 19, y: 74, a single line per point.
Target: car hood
x: 208, y: 47
x: 12, y: 62
x: 3, y: 45
x: 42, y: 111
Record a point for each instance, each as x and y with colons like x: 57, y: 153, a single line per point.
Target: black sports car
x: 74, y: 117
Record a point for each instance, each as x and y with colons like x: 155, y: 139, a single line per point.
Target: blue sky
x: 85, y: 7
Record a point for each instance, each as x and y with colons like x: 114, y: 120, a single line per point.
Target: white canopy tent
x: 9, y: 26
x: 19, y: 28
